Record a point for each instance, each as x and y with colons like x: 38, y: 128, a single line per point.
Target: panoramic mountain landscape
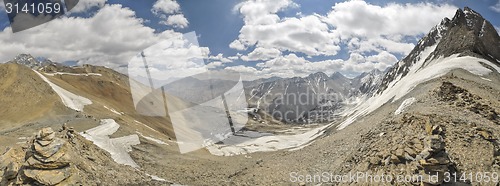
x: 431, y: 118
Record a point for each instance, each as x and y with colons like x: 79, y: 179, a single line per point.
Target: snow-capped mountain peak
x: 318, y: 76
x: 468, y: 33
x: 467, y: 42
x: 30, y: 61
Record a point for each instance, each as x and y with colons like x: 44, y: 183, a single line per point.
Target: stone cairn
x: 47, y: 162
x: 433, y: 158
x: 428, y: 157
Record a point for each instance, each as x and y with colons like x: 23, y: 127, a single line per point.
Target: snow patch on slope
x: 406, y: 103
x: 250, y: 142
x: 156, y: 178
x: 417, y: 75
x: 146, y: 126
x: 117, y: 147
x: 73, y: 74
x: 113, y: 110
x: 69, y: 99
x: 152, y: 139
x: 486, y: 79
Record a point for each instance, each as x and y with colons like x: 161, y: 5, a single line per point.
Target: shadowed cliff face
x: 470, y: 34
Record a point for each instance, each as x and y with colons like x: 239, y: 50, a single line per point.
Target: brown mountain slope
x: 25, y: 97
x: 110, y: 94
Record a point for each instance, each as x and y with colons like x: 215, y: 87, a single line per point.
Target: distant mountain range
x: 315, y: 98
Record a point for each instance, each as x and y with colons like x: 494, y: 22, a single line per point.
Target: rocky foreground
x: 63, y: 158
x: 458, y: 145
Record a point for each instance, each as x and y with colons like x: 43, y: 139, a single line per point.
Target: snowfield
x: 417, y: 75
x: 250, y: 142
x: 117, y: 147
x: 69, y: 99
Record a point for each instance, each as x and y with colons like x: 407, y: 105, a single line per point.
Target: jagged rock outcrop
x: 420, y: 152
x: 368, y: 82
x: 469, y: 34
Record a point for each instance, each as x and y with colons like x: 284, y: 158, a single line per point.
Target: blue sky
x: 261, y: 38
x: 219, y: 25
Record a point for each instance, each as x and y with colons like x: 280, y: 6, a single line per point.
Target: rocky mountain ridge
x: 467, y: 33
x: 447, y: 89
x: 32, y: 62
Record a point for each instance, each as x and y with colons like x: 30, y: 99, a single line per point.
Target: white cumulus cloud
x: 220, y: 58
x: 236, y: 44
x: 359, y: 18
x: 371, y: 34
x: 376, y: 28
x: 110, y: 37
x: 262, y: 54
x: 292, y: 65
x: 177, y: 20
x: 265, y: 29
x: 257, y: 11
x: 169, y: 11
x: 170, y: 59
x: 166, y: 7
x: 496, y: 7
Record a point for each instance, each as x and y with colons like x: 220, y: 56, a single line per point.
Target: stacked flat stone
x: 434, y: 160
x: 49, y: 163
